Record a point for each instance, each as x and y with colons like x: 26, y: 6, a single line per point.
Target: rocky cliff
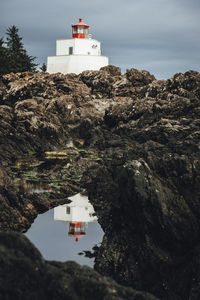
x: 132, y: 143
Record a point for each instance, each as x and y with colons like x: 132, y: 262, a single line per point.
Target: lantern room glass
x: 74, y: 29
x: 80, y: 30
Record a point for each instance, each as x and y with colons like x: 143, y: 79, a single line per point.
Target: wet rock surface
x: 132, y: 143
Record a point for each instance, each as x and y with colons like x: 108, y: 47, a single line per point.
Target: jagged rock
x: 150, y: 230
x: 139, y: 78
x: 112, y: 70
x: 101, y: 82
x: 28, y: 85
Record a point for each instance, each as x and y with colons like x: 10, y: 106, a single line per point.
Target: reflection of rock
x: 25, y: 275
x: 77, y: 213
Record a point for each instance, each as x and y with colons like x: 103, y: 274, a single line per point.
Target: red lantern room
x: 77, y: 230
x: 80, y: 30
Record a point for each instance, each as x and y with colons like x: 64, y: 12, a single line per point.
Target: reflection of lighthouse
x: 77, y: 213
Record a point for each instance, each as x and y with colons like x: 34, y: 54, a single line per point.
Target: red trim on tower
x: 80, y: 23
x: 78, y: 35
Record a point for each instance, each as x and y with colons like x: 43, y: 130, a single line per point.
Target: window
x: 74, y: 29
x: 68, y: 210
x: 70, y: 50
x: 80, y: 30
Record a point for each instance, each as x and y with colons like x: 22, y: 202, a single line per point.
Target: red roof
x: 80, y: 23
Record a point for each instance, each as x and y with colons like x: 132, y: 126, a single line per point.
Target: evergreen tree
x: 3, y: 58
x: 43, y: 68
x: 18, y: 59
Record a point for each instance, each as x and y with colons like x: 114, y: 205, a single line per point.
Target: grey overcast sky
x: 161, y: 36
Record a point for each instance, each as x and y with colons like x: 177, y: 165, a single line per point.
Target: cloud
x: 160, y: 34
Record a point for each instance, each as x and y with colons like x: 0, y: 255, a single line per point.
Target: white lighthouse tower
x: 77, y: 54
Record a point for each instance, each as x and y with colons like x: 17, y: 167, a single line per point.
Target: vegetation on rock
x: 43, y: 67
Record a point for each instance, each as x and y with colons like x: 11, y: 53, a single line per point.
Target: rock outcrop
x: 24, y: 274
x: 133, y: 143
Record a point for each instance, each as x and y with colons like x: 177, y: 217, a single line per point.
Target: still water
x: 63, y: 232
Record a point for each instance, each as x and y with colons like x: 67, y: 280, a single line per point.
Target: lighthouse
x: 77, y: 54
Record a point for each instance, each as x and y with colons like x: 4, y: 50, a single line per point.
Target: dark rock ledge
x: 24, y: 274
x: 132, y: 143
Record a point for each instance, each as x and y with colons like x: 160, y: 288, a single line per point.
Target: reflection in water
x: 52, y: 238
x: 31, y: 187
x: 78, y: 214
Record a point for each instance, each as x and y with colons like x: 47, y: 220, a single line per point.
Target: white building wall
x: 62, y: 46
x: 75, y: 63
x: 80, y: 47
x: 87, y: 47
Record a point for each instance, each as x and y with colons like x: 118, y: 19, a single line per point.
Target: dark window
x: 70, y: 50
x: 74, y: 29
x: 68, y: 210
